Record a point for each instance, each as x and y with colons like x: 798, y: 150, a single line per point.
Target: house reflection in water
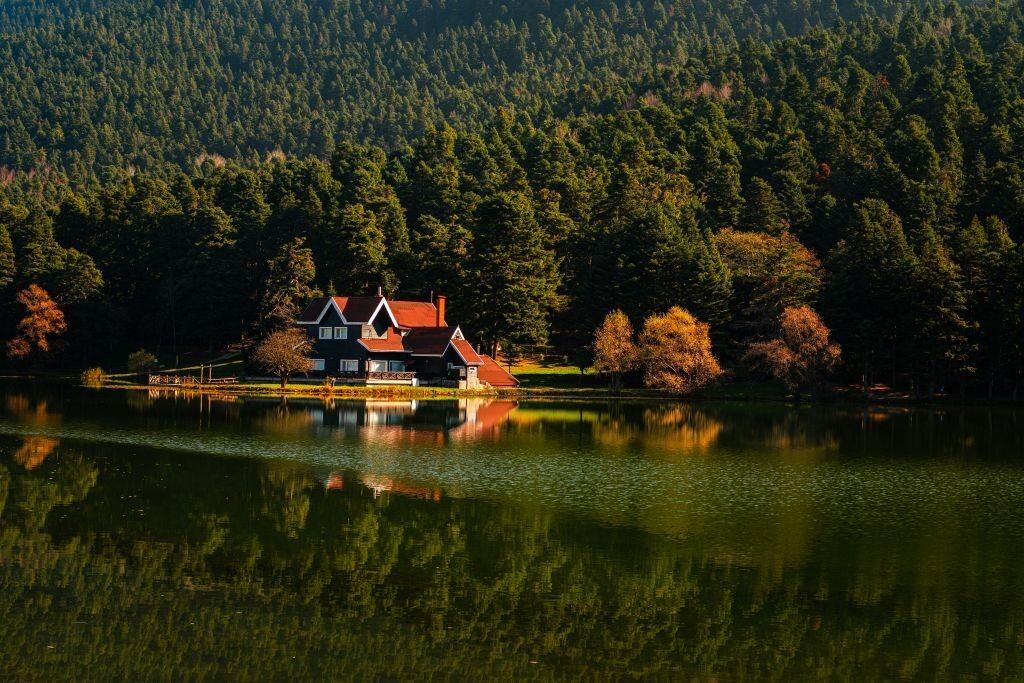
x: 378, y: 484
x: 411, y: 423
x: 417, y: 421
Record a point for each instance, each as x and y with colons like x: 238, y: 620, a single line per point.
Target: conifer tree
x: 7, y: 264
x: 762, y: 211
x: 515, y: 275
x: 289, y: 286
x: 871, y: 269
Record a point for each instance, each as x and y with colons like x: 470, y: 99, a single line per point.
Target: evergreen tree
x: 289, y: 286
x: 515, y: 276
x: 7, y: 263
x: 871, y: 269
x: 762, y: 210
x: 364, y: 256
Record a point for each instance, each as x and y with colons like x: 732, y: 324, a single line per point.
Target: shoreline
x: 727, y: 394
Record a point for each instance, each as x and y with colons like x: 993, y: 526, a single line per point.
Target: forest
x: 865, y: 163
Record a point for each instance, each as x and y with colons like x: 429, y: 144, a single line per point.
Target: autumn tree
x: 283, y: 353
x: 676, y: 352
x: 614, y: 349
x: 769, y: 273
x: 42, y: 320
x: 801, y: 354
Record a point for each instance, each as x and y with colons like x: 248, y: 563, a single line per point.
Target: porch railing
x: 391, y: 375
x: 377, y: 375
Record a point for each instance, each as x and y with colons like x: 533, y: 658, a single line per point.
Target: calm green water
x: 171, y: 537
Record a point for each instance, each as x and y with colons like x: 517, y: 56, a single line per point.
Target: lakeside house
x: 374, y: 340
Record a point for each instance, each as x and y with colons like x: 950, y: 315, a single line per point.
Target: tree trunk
x: 284, y: 381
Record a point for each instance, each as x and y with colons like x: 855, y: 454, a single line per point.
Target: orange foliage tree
x: 801, y: 354
x: 614, y: 350
x: 769, y: 272
x: 43, y: 320
x: 676, y: 352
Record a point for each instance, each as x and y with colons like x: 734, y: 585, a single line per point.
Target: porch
x: 374, y: 377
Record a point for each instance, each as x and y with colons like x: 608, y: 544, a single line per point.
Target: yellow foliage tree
x: 614, y: 350
x: 676, y: 352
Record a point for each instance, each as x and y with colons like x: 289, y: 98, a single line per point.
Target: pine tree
x: 289, y: 286
x: 515, y: 275
x: 939, y: 327
x: 364, y: 258
x: 872, y: 269
x: 762, y: 211
x: 7, y: 264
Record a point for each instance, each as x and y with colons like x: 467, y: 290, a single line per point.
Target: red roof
x: 429, y: 341
x: 392, y: 341
x: 465, y: 350
x: 494, y: 374
x: 356, y: 309
x: 415, y: 313
x: 493, y: 413
x: 311, y: 313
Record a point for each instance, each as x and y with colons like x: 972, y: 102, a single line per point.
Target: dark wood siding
x: 333, y: 351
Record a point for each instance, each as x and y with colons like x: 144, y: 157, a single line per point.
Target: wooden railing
x: 391, y: 375
x: 188, y: 380
x: 376, y: 375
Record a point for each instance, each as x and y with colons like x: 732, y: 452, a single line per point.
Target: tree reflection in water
x: 133, y: 562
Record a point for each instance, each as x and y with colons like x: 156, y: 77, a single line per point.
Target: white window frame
x: 393, y: 363
x: 326, y: 333
x: 341, y: 332
x: 370, y: 366
x: 354, y: 361
x: 318, y: 364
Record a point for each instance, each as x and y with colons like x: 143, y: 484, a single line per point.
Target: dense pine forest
x: 178, y: 174
x: 141, y: 84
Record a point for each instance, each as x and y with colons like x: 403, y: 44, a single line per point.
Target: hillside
x: 141, y: 84
x: 873, y: 171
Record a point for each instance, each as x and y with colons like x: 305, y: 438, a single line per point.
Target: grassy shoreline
x: 541, y: 382
x: 752, y: 393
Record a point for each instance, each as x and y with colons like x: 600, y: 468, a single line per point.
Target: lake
x: 163, y: 536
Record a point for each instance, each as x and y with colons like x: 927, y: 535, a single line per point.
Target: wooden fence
x: 189, y: 380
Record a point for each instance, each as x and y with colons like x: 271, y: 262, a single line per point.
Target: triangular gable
x: 383, y: 305
x: 464, y: 350
x: 327, y: 306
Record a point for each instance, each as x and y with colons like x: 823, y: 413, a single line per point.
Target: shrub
x: 140, y: 361
x: 94, y: 377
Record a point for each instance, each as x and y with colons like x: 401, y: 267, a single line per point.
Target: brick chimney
x: 441, y: 301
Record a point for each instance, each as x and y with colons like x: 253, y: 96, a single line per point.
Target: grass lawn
x: 532, y: 375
